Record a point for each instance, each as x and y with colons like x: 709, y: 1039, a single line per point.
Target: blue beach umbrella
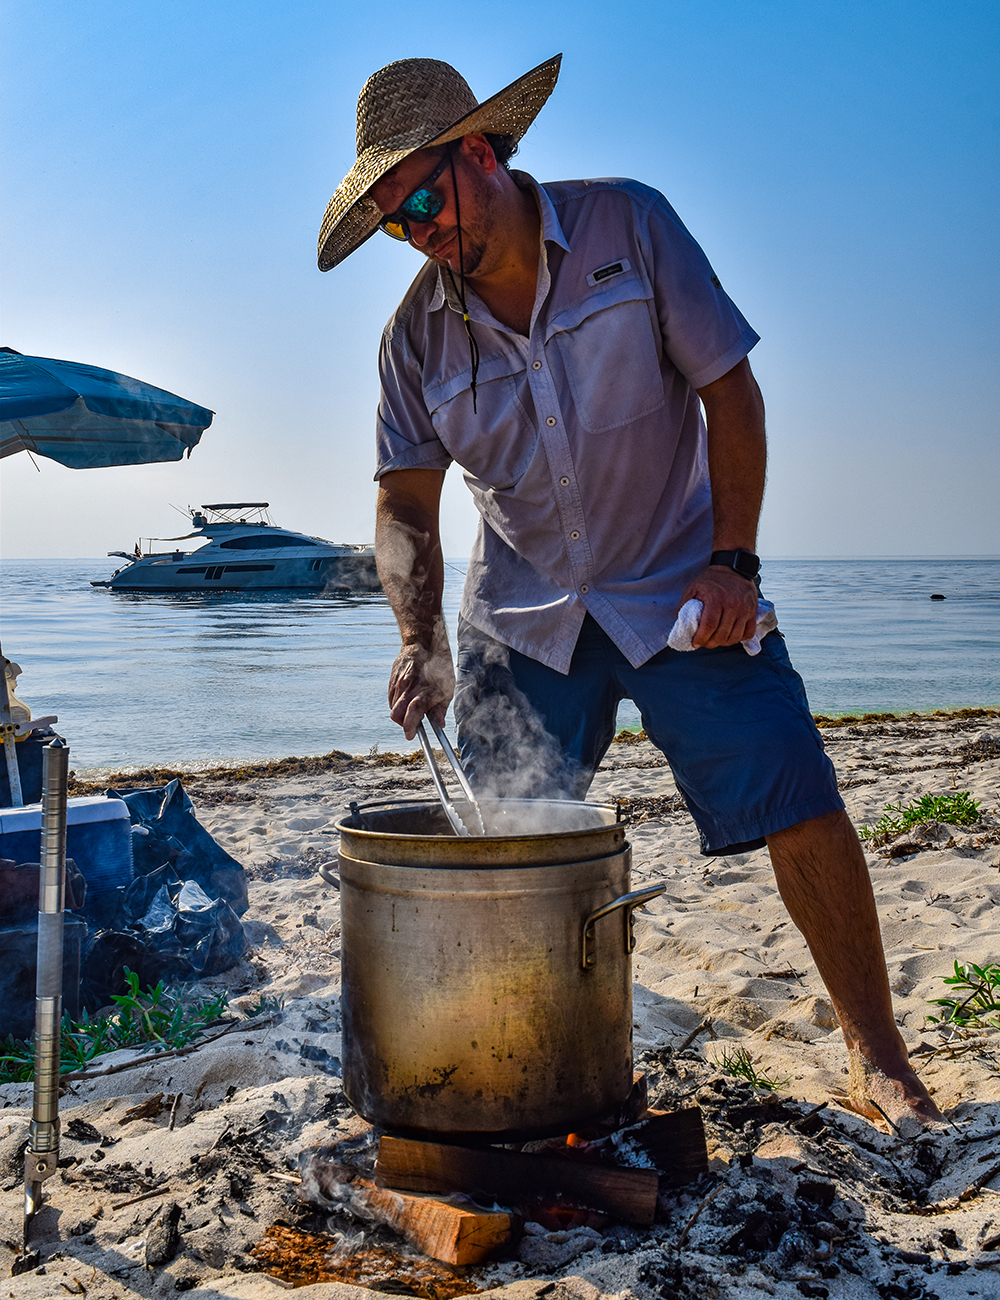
x: 88, y: 418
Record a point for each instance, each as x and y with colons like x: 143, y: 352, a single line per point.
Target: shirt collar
x: 552, y: 233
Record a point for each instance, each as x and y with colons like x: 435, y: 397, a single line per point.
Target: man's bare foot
x: 900, y: 1101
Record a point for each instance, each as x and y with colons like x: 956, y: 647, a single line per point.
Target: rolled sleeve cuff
x: 425, y: 456
x: 747, y: 341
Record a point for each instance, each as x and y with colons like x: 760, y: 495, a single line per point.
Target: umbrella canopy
x: 87, y: 418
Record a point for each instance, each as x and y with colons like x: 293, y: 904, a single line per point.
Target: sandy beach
x: 795, y: 1203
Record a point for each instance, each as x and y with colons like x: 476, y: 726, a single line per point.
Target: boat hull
x: 347, y: 573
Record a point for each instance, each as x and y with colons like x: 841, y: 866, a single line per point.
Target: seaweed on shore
x: 338, y: 761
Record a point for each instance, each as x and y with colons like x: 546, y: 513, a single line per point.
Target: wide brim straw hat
x: 417, y: 104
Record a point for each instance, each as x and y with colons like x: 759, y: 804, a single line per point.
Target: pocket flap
x: 503, y: 366
x: 627, y: 288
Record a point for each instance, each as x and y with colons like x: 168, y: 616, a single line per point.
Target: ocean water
x: 141, y: 679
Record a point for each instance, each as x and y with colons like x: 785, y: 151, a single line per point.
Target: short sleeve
x: 704, y: 332
x: 404, y: 434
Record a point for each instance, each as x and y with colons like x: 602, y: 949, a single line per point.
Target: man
x: 560, y: 343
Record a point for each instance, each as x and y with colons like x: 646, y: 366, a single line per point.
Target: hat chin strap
x: 460, y: 288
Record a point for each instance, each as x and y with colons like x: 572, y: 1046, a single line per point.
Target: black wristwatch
x: 745, y: 563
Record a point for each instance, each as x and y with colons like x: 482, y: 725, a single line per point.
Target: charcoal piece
x: 80, y: 1131
x: 816, y: 1190
x: 761, y: 1232
x: 163, y: 1236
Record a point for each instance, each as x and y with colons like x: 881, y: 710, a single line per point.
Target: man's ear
x: 479, y: 151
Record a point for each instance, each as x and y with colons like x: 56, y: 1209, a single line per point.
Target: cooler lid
x: 84, y: 808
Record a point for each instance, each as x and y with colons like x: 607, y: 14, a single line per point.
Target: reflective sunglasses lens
x: 423, y: 205
x: 395, y: 229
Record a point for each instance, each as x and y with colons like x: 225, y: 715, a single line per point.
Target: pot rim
x: 343, y: 824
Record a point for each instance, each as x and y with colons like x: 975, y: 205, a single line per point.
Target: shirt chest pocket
x: 609, y: 347
x: 497, y: 442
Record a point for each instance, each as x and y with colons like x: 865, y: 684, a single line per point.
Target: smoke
x: 505, y: 747
x: 352, y: 575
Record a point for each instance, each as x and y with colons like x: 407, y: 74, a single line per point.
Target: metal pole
x: 42, y: 1154
x: 7, y: 731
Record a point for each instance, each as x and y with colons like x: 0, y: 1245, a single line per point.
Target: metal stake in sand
x: 42, y: 1154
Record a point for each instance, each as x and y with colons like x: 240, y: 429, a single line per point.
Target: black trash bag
x: 141, y: 892
x: 102, y: 967
x: 190, y: 935
x: 165, y: 830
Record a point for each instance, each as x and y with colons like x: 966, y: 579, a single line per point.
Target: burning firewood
x: 451, y: 1229
x: 513, y: 1178
x: 451, y: 1232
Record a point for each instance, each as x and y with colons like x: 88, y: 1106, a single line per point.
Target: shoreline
x: 93, y: 780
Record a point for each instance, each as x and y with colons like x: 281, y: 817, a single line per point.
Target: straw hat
x: 416, y: 104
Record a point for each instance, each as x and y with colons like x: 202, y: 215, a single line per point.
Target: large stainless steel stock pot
x: 487, y: 980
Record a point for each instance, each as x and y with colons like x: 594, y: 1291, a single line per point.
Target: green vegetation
x: 739, y: 1064
x: 957, y: 809
x: 266, y: 1004
x: 154, y: 1020
x: 977, y: 1001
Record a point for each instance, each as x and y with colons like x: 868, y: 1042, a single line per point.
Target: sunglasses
x: 422, y: 205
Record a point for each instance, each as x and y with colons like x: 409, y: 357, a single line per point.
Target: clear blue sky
x: 167, y: 167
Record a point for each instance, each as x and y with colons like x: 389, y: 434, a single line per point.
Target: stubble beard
x: 476, y: 234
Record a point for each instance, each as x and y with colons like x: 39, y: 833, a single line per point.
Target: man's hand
x: 730, y: 613
x: 422, y: 682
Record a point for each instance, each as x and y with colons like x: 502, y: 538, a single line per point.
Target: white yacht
x: 246, y: 551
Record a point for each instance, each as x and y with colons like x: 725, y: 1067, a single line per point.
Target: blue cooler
x: 98, y: 839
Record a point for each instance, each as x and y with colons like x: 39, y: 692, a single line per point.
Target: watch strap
x: 745, y: 563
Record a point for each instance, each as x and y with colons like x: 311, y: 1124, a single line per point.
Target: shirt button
x: 536, y: 365
x: 564, y: 481
x: 551, y: 421
x: 585, y: 589
x: 575, y: 535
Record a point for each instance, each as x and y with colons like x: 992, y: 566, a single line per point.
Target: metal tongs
x: 450, y: 811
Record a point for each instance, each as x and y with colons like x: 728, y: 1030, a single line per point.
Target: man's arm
x: 737, y: 460
x: 411, y: 568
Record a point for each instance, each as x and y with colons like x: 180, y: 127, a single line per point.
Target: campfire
x: 461, y: 1205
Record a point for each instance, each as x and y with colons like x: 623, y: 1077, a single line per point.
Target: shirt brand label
x: 606, y: 272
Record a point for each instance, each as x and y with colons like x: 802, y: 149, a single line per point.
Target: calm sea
x: 139, y: 679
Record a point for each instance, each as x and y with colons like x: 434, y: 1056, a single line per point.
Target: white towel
x: 689, y: 616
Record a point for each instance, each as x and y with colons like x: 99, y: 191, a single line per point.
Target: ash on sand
x: 794, y: 1204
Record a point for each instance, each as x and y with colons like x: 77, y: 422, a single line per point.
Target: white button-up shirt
x: 587, y: 456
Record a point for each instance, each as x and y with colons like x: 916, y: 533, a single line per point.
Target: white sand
x: 716, y: 946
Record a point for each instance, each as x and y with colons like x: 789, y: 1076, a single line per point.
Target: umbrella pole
x: 42, y: 1155
x: 9, y: 748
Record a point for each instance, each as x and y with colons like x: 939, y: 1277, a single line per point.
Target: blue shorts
x: 735, y: 728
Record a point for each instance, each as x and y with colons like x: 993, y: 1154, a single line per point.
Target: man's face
x: 438, y: 239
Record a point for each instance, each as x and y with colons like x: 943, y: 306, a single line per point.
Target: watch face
x: 746, y: 564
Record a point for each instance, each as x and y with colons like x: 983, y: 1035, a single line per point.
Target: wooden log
x: 452, y: 1233
x: 673, y: 1143
x: 514, y: 1178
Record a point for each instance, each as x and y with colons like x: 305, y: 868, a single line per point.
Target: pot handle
x: 627, y: 901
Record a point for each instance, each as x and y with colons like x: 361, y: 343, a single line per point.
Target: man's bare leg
x: 823, y: 880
